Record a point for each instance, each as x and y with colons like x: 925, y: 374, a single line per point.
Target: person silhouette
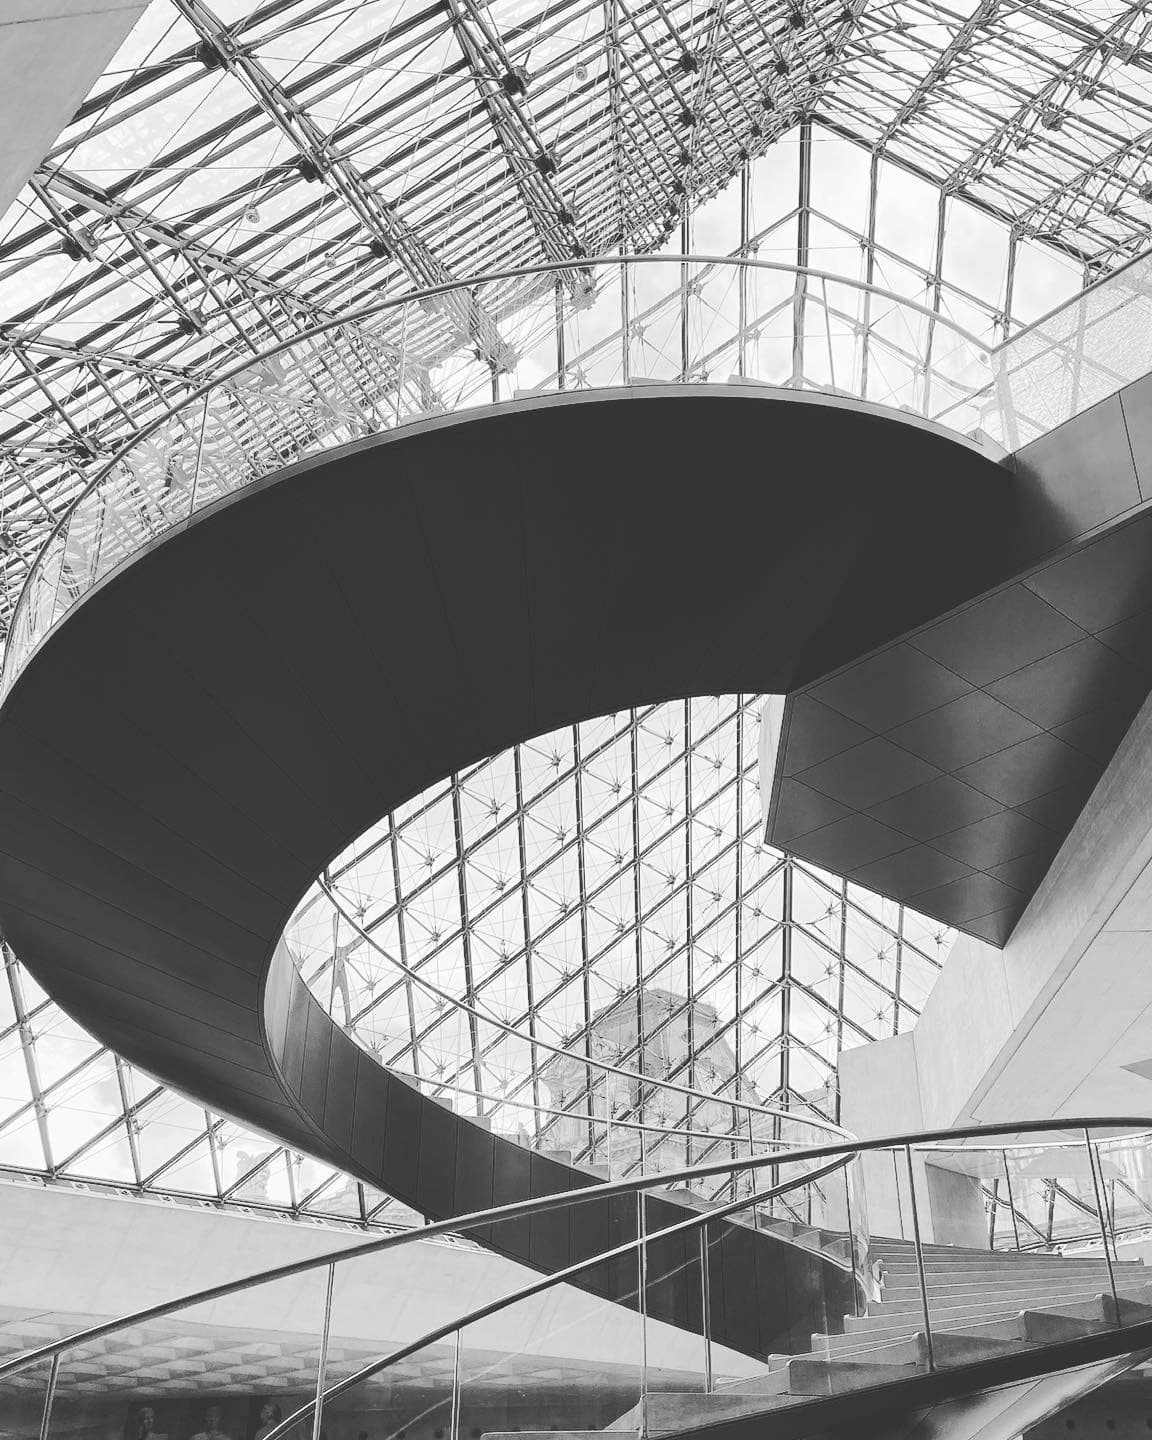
x: 270, y: 1416
x: 142, y: 1425
x: 212, y: 1428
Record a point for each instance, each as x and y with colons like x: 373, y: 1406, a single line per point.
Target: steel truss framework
x: 243, y: 171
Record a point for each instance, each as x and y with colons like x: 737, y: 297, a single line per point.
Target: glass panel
x: 208, y: 1370
x: 1124, y: 1164
x: 411, y: 1395
x: 23, y: 1395
x: 1013, y: 1251
x: 567, y: 1359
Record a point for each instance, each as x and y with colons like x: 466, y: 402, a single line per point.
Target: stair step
x: 1004, y: 1328
x: 669, y: 1411
x: 1000, y: 1296
x: 1001, y: 1300
x: 553, y: 1435
x: 1018, y: 1266
x: 810, y: 1376
x: 970, y: 1314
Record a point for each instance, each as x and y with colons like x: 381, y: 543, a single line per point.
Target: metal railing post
x: 920, y: 1259
x: 856, y: 1288
x: 454, y: 1430
x: 706, y: 1308
x: 1103, y: 1222
x: 1011, y: 1200
x: 49, y: 1397
x: 322, y: 1368
x: 642, y: 1301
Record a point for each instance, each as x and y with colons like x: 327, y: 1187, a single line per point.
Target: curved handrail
x: 817, y: 1122
x: 538, y: 1287
x: 12, y: 666
x: 522, y: 1209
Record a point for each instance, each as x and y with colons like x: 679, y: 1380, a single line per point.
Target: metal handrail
x: 1048, y: 315
x: 432, y: 292
x: 548, y: 1282
x: 816, y: 1121
x: 520, y: 1209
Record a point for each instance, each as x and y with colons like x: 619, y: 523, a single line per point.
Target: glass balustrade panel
x: 568, y: 1359
x: 376, y: 1382
x: 224, y: 1368
x: 997, y: 1280
x: 1124, y: 1167
x: 25, y: 1394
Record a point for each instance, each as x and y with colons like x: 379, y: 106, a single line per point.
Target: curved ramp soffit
x: 224, y: 714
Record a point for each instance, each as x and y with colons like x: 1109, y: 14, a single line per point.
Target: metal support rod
x: 642, y: 1302
x: 560, y: 361
x: 199, y: 458
x: 706, y: 1309
x: 49, y: 1396
x: 1092, y: 1159
x: 856, y: 1288
x: 322, y: 1368
x: 803, y: 227
x: 920, y: 1259
x: 685, y: 340
x: 1011, y: 1200
x: 625, y: 325
x: 742, y: 276
x: 454, y: 1431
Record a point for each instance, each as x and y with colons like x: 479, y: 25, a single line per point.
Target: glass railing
x: 541, y: 330
x: 1072, y: 358
x: 659, y: 1316
x: 545, y: 329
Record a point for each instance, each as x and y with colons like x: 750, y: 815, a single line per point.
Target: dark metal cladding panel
x: 102, y: 816
x: 1082, y: 471
x: 437, y: 1166
x: 111, y: 910
x: 370, y: 1114
x: 673, y: 1266
x: 512, y: 1181
x: 588, y: 1229
x: 623, y: 1272
x: 475, y: 1159
x: 402, y: 1145
x: 340, y: 1100
x: 747, y: 1315
x: 317, y: 1050
x: 295, y: 1034
x: 277, y: 1003
x: 549, y: 1241
x: 714, y: 1234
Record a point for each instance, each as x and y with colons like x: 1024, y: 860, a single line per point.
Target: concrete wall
x: 880, y: 1095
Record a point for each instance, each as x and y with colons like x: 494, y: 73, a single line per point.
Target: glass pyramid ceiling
x: 243, y: 170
